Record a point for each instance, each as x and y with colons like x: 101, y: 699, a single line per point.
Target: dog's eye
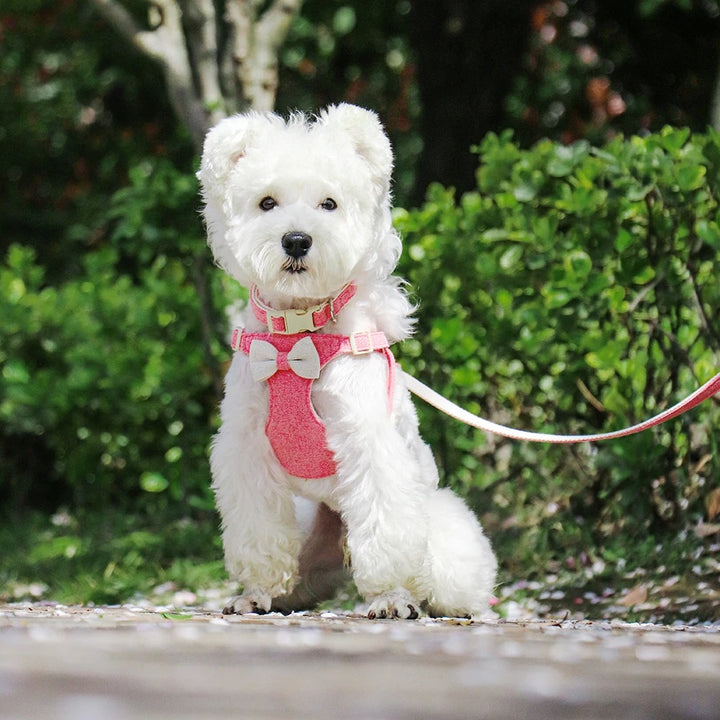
x: 267, y: 203
x: 328, y: 204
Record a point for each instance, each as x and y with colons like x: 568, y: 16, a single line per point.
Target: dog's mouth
x: 294, y: 266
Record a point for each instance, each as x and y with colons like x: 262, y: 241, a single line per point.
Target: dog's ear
x: 366, y: 135
x: 225, y: 145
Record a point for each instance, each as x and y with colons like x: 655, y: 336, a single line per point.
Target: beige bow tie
x: 266, y: 360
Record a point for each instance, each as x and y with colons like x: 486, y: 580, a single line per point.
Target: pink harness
x: 290, y: 362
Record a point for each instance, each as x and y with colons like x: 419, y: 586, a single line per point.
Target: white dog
x: 299, y: 211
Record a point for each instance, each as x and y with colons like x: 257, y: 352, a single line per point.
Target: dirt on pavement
x: 113, y: 663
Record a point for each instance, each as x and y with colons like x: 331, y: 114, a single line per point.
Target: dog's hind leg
x: 460, y: 566
x: 321, y: 570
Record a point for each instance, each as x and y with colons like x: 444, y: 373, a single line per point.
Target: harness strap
x: 708, y: 390
x: 330, y: 346
x: 295, y: 431
x: 359, y: 343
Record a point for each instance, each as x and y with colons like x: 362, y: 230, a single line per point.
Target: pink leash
x: 289, y: 322
x: 708, y: 390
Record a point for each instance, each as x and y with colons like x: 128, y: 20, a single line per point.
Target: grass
x: 107, y: 557
x: 675, y: 580
x: 110, y: 557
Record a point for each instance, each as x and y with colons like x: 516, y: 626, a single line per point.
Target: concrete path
x: 61, y: 663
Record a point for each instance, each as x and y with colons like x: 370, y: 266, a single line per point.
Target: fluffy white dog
x: 299, y: 211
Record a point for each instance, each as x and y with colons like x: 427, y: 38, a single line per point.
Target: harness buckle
x: 361, y: 343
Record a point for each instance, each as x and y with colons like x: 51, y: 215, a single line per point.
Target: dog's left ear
x: 366, y: 135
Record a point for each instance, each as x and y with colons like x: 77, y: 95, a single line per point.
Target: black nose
x: 296, y: 244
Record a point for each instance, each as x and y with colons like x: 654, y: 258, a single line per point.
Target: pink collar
x: 293, y: 320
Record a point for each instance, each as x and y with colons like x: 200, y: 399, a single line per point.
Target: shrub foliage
x: 574, y: 292
x: 106, y: 382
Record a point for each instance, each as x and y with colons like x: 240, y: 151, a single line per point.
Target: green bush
x: 106, y: 376
x: 108, y: 381
x: 575, y: 291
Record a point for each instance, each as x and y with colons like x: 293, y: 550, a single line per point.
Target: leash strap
x: 708, y: 390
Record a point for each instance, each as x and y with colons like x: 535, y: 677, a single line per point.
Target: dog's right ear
x: 224, y: 147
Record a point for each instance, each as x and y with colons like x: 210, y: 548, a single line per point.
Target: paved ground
x: 64, y: 663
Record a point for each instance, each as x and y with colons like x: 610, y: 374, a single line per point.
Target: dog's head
x: 300, y: 207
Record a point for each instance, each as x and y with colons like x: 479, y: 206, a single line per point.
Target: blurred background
x: 557, y: 179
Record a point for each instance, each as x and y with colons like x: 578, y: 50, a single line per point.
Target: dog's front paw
x: 248, y: 602
x: 396, y: 604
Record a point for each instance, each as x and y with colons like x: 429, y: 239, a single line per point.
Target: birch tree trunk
x: 214, y: 65
x: 715, y: 103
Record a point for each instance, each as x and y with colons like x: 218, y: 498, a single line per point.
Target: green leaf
x: 624, y: 240
x: 65, y: 546
x: 173, y: 454
x: 511, y: 257
x: 344, y: 20
x: 556, y: 297
x: 690, y: 177
x: 15, y: 372
x: 614, y: 402
x: 645, y: 275
x: 578, y: 263
x: 708, y: 232
x: 525, y: 192
x: 673, y: 139
x: 566, y: 159
x: 495, y: 235
x: 153, y: 482
x: 638, y: 193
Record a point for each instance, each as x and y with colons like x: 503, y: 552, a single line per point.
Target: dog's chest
x: 290, y: 364
x: 296, y: 433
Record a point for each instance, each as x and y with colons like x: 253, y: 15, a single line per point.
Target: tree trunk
x: 669, y: 59
x: 468, y: 52
x: 205, y: 81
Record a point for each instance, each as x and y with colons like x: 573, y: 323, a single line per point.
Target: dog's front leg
x: 261, y: 538
x: 379, y: 493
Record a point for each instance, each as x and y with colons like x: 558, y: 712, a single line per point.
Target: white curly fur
x: 409, y: 542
